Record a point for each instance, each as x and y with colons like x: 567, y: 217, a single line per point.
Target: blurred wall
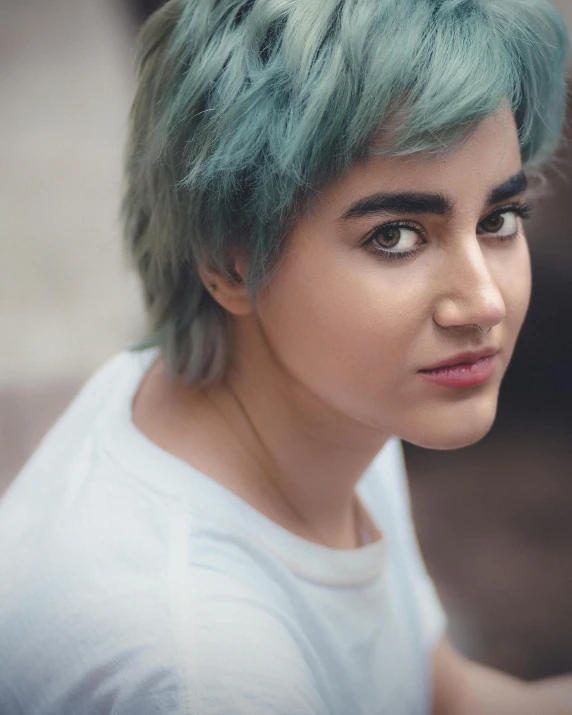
x: 566, y: 8
x: 66, y: 300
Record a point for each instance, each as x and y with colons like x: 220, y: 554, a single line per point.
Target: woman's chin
x: 454, y: 429
x: 450, y: 441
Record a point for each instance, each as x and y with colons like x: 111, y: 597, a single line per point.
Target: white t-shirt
x: 133, y: 584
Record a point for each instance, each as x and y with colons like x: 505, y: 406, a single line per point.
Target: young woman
x: 325, y: 204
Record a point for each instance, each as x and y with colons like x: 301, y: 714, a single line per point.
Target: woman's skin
x: 325, y: 365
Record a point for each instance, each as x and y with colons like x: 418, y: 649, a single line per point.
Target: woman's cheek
x: 517, y: 288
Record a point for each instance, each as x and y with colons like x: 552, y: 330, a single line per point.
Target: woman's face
x: 376, y: 287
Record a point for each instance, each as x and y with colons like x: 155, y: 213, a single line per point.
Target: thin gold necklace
x: 276, y: 482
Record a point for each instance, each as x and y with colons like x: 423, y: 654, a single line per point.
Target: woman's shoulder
x: 141, y: 612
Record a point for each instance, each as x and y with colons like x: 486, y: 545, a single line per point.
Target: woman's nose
x: 468, y: 292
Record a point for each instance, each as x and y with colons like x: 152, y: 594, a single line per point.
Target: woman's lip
x: 464, y: 375
x: 462, y: 358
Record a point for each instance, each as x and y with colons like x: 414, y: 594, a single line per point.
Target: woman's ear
x: 229, y: 292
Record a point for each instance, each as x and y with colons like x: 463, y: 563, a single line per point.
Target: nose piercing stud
x: 484, y: 332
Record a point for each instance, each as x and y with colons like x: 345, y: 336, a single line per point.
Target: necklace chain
x: 276, y: 482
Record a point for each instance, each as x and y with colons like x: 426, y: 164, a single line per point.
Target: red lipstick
x: 463, y: 370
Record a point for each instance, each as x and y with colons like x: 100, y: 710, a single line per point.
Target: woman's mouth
x: 471, y: 370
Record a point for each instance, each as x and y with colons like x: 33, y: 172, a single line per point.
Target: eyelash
x: 524, y: 211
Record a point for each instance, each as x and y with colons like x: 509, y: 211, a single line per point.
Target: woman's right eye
x: 394, y: 240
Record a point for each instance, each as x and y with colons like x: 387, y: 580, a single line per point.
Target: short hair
x: 245, y: 108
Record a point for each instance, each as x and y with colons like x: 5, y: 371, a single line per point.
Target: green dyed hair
x: 245, y: 108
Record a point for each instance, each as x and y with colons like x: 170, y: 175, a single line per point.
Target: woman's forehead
x: 489, y: 159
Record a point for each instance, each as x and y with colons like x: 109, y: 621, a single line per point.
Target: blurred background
x: 494, y: 520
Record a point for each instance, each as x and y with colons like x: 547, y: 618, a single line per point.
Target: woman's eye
x: 502, y: 225
x: 395, y: 239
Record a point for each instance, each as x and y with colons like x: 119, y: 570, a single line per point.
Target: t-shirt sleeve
x: 431, y: 613
x: 238, y: 658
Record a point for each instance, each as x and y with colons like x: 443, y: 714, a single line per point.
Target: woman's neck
x: 271, y: 442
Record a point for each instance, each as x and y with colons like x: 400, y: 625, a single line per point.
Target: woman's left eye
x: 503, y: 224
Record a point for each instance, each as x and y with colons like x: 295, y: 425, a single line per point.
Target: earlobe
x: 229, y: 291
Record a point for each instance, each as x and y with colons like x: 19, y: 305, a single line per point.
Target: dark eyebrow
x: 418, y: 203
x: 401, y: 203
x: 512, y: 187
